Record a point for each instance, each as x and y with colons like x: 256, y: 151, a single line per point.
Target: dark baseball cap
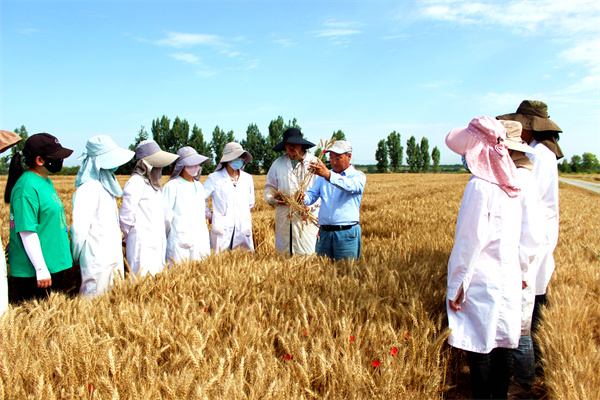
x: 44, y: 144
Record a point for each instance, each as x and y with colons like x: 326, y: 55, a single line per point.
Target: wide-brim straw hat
x: 513, y: 137
x: 8, y: 139
x: 533, y: 115
x: 233, y: 150
x: 188, y: 156
x: 149, y: 151
x: 293, y: 136
x: 109, y: 154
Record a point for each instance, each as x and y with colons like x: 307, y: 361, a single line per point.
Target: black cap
x: 44, y: 144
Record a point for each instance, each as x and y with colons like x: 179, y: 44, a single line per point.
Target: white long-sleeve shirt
x: 545, y: 172
x: 284, y: 178
x: 185, y: 221
x: 485, y: 262
x: 96, y: 237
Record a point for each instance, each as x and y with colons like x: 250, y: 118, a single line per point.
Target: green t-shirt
x: 36, y: 207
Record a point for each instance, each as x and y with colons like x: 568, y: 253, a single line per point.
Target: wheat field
x: 242, y: 325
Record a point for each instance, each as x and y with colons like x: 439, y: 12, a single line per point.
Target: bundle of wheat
x: 295, y: 202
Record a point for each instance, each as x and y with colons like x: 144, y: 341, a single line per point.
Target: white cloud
x: 28, y: 31
x: 177, y: 39
x: 187, y: 57
x: 285, y: 42
x: 560, y: 16
x: 585, y: 52
x: 337, y: 32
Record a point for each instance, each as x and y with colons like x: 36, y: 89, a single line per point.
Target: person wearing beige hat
x: 532, y: 235
x: 184, y: 205
x: 541, y: 133
x: 142, y: 217
x: 232, y: 193
x: 39, y: 251
x: 7, y: 140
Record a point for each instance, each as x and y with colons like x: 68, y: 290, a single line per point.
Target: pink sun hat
x: 483, y: 143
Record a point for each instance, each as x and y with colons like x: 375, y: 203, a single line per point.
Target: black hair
x: 540, y: 136
x: 16, y: 170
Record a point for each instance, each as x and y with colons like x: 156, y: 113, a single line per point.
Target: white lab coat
x: 282, y: 177
x: 485, y: 261
x: 532, y: 236
x: 545, y: 172
x: 143, y: 225
x: 96, y: 238
x: 231, y: 205
x: 185, y: 221
x: 3, y: 282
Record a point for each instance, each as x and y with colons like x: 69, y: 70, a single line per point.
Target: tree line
x: 584, y: 164
x: 389, y: 154
x: 390, y: 151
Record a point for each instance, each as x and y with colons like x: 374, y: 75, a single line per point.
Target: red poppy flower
x: 304, y: 333
x: 90, y: 387
x: 205, y: 309
x: 406, y: 336
x: 375, y: 364
x: 288, y: 357
x: 352, y: 339
x: 394, y: 351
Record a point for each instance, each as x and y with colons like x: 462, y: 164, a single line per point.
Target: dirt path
x: 594, y: 187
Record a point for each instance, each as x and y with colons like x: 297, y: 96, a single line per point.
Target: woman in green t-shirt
x: 39, y: 250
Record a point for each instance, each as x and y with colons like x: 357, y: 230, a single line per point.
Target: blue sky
x: 422, y: 68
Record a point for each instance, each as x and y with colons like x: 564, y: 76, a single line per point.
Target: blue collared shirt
x: 341, y: 195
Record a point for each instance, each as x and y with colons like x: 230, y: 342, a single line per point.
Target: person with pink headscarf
x: 484, y: 274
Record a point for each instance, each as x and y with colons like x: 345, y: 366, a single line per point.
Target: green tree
x: 178, y: 135
x: 576, y: 163
x: 276, y: 129
x: 395, y: 151
x: 219, y: 140
x: 255, y: 144
x: 197, y: 142
x: 435, y: 156
x: 230, y: 137
x: 161, y: 130
x: 5, y: 161
x: 381, y: 155
x: 589, y: 163
x: 413, y: 155
x: 338, y: 135
x: 564, y: 167
x: 425, y: 158
x: 127, y: 169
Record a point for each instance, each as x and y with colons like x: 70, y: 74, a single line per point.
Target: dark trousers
x: 489, y: 374
x: 26, y: 288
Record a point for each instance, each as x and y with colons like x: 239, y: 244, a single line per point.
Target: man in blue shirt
x: 341, y: 192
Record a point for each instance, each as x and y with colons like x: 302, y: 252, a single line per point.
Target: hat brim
x: 235, y: 154
x: 160, y: 159
x: 194, y: 159
x: 115, y: 158
x: 459, y: 140
x: 519, y: 146
x: 293, y: 140
x: 8, y: 139
x: 532, y: 122
x: 61, y: 153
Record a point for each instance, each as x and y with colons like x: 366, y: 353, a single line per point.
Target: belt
x: 333, y: 228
